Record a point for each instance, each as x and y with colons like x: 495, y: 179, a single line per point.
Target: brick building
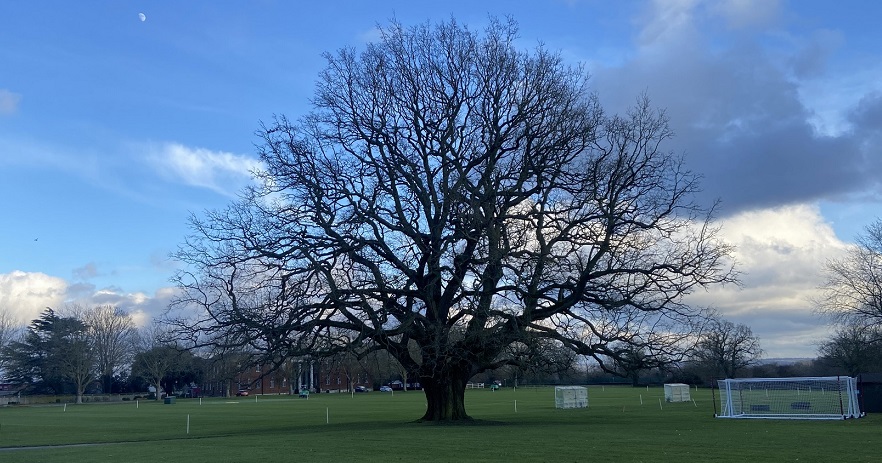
x: 319, y: 375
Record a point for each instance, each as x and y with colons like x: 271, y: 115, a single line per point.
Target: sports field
x: 511, y: 426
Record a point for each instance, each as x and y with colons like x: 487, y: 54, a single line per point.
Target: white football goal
x: 811, y: 398
x: 677, y: 392
x: 570, y: 397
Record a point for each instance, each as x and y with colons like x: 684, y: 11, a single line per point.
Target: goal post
x: 805, y: 398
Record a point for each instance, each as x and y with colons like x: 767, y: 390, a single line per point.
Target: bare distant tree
x: 157, y: 356
x: 113, y: 335
x: 8, y: 326
x: 455, y: 192
x: 854, y: 347
x: 853, y: 288
x: 726, y: 348
x: 78, y: 357
x: 9, y: 330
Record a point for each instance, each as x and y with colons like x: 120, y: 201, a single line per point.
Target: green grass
x: 379, y: 427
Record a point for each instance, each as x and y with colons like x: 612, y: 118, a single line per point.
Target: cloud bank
x: 737, y: 102
x: 780, y: 253
x: 26, y: 294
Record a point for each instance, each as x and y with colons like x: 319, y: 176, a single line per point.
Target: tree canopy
x: 454, y: 200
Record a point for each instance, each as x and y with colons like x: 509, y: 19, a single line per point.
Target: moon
x: 142, y: 17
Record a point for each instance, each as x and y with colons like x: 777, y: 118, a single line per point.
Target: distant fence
x: 67, y: 398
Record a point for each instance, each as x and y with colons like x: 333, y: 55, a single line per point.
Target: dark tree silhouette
x: 451, y: 192
x: 726, y: 348
x: 855, y: 348
x: 56, y: 352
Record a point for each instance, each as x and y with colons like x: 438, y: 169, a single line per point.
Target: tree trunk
x: 81, y: 390
x: 445, y: 399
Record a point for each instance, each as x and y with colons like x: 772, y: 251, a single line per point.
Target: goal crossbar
x: 803, y: 398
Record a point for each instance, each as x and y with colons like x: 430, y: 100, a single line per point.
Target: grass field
x: 511, y: 425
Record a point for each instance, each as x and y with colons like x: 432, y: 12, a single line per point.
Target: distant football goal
x: 809, y: 398
x: 677, y: 392
x: 570, y: 397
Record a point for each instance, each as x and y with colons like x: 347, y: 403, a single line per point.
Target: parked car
x: 242, y: 392
x: 385, y: 389
x: 361, y: 389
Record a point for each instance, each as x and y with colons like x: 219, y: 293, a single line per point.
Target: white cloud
x: 9, y: 101
x: 781, y: 253
x: 26, y: 294
x: 219, y: 171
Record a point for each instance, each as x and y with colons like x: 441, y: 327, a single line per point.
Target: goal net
x: 677, y: 392
x: 813, y: 398
x: 570, y: 397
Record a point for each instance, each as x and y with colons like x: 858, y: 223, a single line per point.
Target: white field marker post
x: 137, y: 404
x: 516, y: 406
x: 188, y: 424
x: 200, y: 401
x: 660, y: 405
x: 603, y: 388
x: 255, y: 398
x: 65, y: 407
x: 641, y: 399
x: 327, y: 416
x: 647, y: 388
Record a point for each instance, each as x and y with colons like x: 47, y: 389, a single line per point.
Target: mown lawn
x: 511, y: 425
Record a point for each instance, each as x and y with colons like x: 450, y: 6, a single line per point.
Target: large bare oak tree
x: 454, y: 200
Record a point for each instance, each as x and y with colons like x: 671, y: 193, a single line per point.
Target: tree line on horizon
x: 100, y: 351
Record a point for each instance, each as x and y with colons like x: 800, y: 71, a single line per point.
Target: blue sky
x: 114, y: 130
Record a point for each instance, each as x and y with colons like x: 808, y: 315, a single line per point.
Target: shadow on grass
x: 459, y: 423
